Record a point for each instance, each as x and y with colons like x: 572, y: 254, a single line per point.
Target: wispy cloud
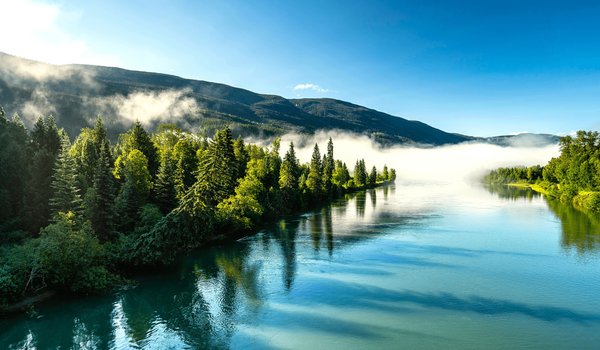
x: 310, y: 86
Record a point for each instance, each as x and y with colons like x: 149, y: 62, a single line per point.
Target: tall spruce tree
x: 217, y: 173
x: 328, y: 166
x: 164, y: 186
x: 314, y: 182
x: 372, y: 180
x: 103, y: 196
x: 45, y: 147
x: 66, y: 195
x: 289, y: 174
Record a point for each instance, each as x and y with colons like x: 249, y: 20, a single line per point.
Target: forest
x: 83, y: 215
x: 572, y: 177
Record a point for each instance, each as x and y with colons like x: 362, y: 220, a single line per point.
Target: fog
x: 464, y: 162
x: 147, y: 107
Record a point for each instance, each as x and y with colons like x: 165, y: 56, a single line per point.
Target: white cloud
x: 33, y: 29
x: 310, y: 86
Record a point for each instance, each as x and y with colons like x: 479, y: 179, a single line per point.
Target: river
x: 407, y: 266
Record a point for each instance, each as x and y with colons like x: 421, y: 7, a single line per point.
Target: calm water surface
x: 410, y: 266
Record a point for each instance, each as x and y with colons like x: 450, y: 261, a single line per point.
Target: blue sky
x: 474, y: 67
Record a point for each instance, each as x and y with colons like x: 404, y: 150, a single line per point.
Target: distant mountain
x: 523, y: 140
x: 77, y: 94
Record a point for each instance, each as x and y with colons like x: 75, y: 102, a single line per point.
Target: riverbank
x: 27, y: 304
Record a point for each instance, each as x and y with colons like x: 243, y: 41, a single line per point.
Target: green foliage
x: 100, y: 197
x: 136, y: 139
x: 360, y: 173
x: 328, y: 167
x: 15, y: 161
x: 164, y: 188
x: 372, y: 180
x: 574, y: 176
x: 217, y: 173
x: 135, y: 191
x: 198, y: 192
x: 66, y: 197
x: 314, y: 180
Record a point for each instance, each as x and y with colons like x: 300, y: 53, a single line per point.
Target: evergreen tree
x: 136, y: 138
x: 218, y: 171
x: 102, y: 193
x: 14, y: 162
x: 289, y: 176
x: 164, y: 187
x: 360, y: 173
x: 186, y: 164
x: 242, y: 156
x: 373, y: 177
x: 385, y: 175
x: 45, y: 146
x: 328, y: 166
x: 315, y: 173
x: 66, y: 195
x: 135, y: 191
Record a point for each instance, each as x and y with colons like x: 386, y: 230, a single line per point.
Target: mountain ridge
x: 77, y: 93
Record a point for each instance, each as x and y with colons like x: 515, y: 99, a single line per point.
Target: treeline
x: 77, y: 216
x: 519, y: 174
x: 573, y: 177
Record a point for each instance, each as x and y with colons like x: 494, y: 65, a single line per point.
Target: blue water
x: 408, y: 266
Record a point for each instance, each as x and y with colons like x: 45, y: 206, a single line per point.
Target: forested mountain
x: 77, y: 94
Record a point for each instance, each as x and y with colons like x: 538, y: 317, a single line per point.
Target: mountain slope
x: 77, y: 94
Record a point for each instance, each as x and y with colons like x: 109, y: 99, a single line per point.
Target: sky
x: 479, y: 68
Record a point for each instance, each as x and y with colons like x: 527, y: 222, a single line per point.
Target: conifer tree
x: 328, y: 166
x: 385, y: 175
x: 373, y: 177
x: 101, y: 213
x: 315, y: 173
x: 289, y: 176
x: 66, y: 195
x: 218, y: 170
x: 164, y: 187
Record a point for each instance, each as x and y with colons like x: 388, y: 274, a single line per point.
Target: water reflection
x: 512, y: 192
x: 294, y: 274
x: 580, y: 228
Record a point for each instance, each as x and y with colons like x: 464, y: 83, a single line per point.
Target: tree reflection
x: 580, y: 229
x: 286, y: 232
x: 512, y: 192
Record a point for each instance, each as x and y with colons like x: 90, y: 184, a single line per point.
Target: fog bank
x: 464, y: 162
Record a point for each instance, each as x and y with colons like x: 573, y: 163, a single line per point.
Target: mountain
x: 76, y: 94
x: 523, y: 140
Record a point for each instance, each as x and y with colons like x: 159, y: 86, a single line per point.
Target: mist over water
x: 466, y: 162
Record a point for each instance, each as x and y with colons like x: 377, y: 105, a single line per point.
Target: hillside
x: 77, y: 94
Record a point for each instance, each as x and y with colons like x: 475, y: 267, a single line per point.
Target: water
x: 411, y: 266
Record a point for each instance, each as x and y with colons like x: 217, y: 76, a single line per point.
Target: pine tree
x: 360, y: 173
x: 14, y: 162
x: 164, y: 187
x: 101, y: 213
x: 217, y: 173
x: 45, y: 146
x: 66, y: 195
x: 135, y: 191
x: 372, y: 181
x: 289, y: 174
x: 385, y: 175
x: 328, y: 167
x: 186, y: 164
x: 315, y: 173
